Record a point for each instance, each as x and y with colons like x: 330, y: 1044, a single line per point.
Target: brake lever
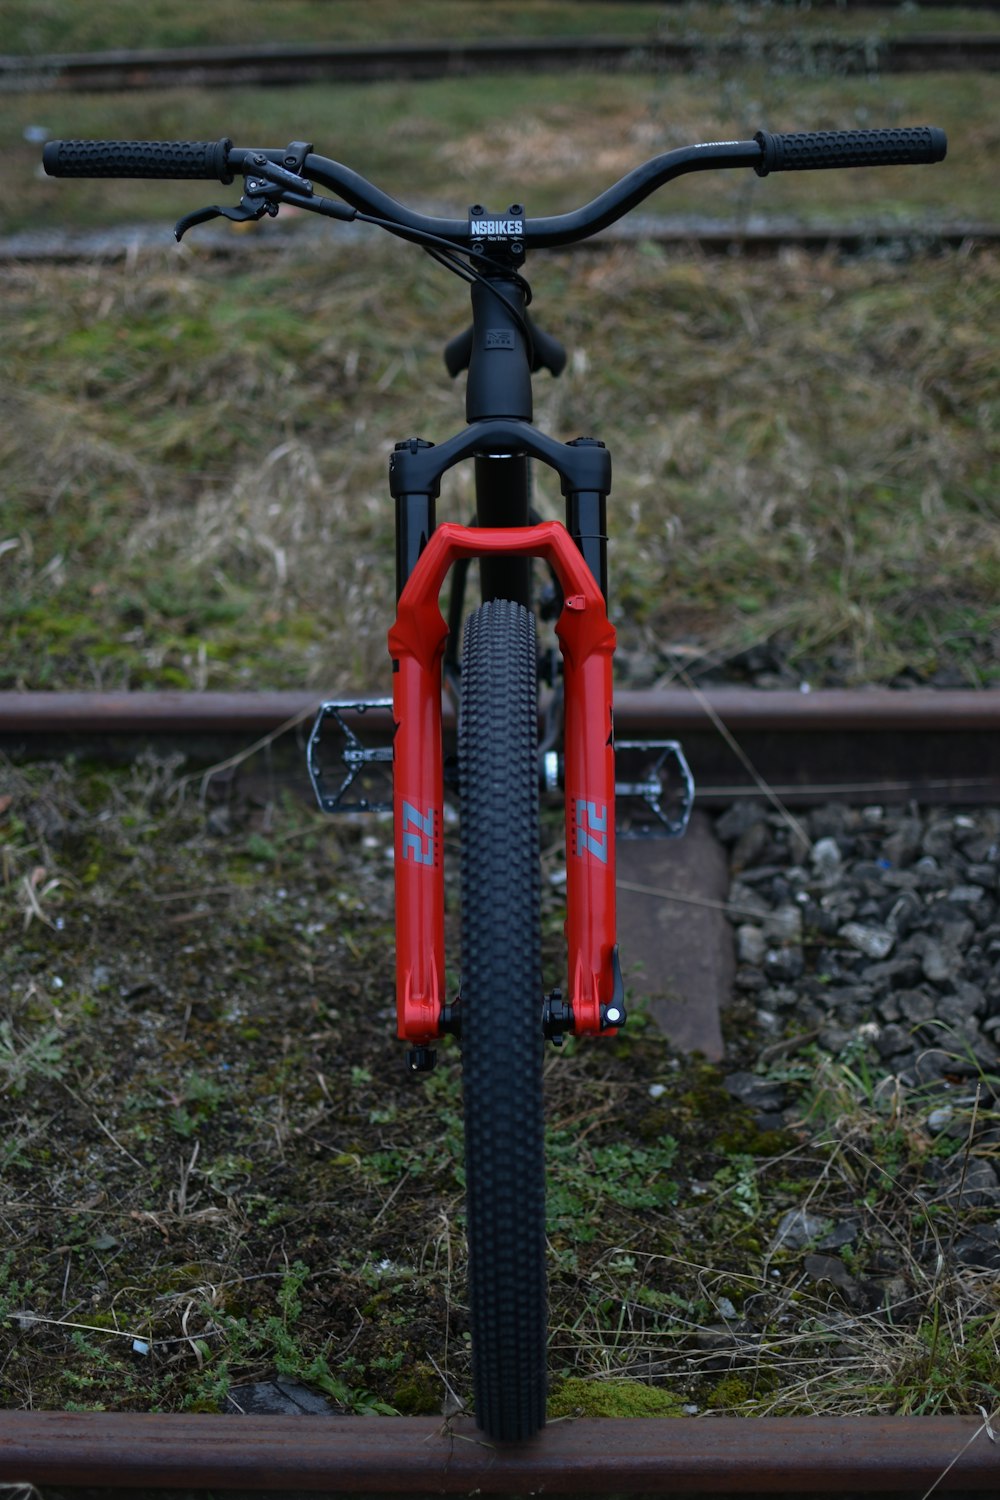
x: 259, y: 198
x: 263, y: 192
x: 265, y: 187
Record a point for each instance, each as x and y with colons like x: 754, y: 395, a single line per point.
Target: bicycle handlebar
x: 220, y: 161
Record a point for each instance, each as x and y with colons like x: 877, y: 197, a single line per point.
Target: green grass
x: 551, y: 147
x: 195, y: 461
x: 64, y: 26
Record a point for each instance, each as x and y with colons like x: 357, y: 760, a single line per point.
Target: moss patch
x: 612, y: 1398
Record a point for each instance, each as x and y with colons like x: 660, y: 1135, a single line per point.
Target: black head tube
x: 499, y: 383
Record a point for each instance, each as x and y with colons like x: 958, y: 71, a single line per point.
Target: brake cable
x: 269, y: 185
x: 450, y: 256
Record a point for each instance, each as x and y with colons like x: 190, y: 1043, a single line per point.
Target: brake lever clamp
x: 286, y: 174
x: 263, y: 189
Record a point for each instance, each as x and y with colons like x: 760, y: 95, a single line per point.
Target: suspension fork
x: 416, y: 644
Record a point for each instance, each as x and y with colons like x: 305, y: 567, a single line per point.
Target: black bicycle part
x: 502, y: 1008
x: 557, y: 1018
x: 503, y: 499
x: 499, y: 383
x: 546, y: 352
x: 583, y: 466
x: 221, y: 160
x: 203, y: 159
x: 261, y: 194
x: 654, y: 789
x: 356, y: 759
x: 813, y: 150
x: 560, y: 229
x: 415, y: 515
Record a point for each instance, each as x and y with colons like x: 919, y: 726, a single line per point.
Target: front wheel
x: 501, y: 1009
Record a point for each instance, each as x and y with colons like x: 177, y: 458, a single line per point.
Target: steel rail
x: 69, y: 247
x: 865, y: 710
x: 285, y: 64
x: 807, y: 747
x: 397, y: 1455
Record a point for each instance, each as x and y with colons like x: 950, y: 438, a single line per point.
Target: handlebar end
x: 208, y: 160
x: 813, y: 150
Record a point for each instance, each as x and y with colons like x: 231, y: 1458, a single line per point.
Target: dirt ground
x: 215, y: 1170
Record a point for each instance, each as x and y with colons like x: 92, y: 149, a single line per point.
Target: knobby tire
x: 501, y: 1010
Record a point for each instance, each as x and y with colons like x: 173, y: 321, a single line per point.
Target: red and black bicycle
x: 503, y: 1012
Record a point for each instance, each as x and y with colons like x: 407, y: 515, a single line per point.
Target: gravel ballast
x: 874, y: 932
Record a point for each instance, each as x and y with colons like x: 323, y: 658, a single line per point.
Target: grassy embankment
x: 195, y: 459
x: 805, y: 450
x: 62, y: 26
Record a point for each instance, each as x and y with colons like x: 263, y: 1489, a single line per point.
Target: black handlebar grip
x: 205, y: 159
x: 814, y: 149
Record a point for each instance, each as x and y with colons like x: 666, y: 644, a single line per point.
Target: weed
x: 281, y: 1343
x: 24, y: 1059
x: 588, y: 1181
x: 738, y: 1189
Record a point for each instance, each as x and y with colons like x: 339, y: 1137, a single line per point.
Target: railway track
x: 808, y: 747
x: 865, y: 745
x: 282, y: 65
x: 70, y: 247
x: 400, y: 1455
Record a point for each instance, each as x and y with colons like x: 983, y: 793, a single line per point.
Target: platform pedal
x: 368, y: 768
x: 654, y: 797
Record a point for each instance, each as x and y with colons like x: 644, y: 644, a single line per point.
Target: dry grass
x: 894, y: 1322
x: 195, y: 460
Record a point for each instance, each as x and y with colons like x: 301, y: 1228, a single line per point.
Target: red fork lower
x: 416, y: 645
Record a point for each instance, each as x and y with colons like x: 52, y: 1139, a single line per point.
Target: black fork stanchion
x: 587, y: 518
x: 414, y: 516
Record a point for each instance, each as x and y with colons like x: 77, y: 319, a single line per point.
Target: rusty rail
x: 869, y: 710
x: 285, y: 64
x: 69, y: 247
x: 351, y: 1455
x: 870, y: 744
